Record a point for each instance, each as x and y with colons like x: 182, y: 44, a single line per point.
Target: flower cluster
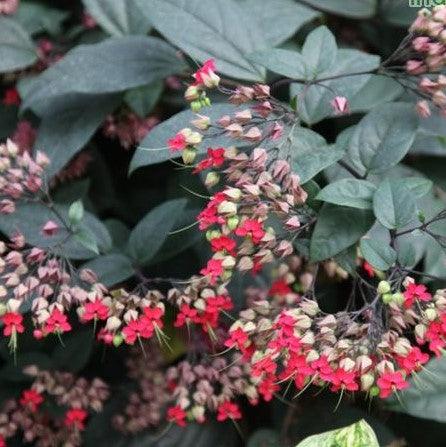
x: 429, y: 46
x: 293, y: 340
x: 8, y: 7
x: 128, y: 128
x: 20, y: 175
x: 30, y: 416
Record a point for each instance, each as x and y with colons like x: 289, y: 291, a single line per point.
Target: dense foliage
x: 223, y: 223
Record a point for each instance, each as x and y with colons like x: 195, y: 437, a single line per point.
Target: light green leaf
x: 338, y: 228
x: 290, y: 64
x: 209, y: 29
x: 118, y: 17
x: 319, y: 51
x: 419, y: 186
x: 358, y: 9
x: 383, y: 137
x: 151, y: 232
x: 349, y: 192
x: 280, y: 20
x: 16, y: 48
x: 377, y: 253
x: 113, y: 65
x: 393, y: 204
x: 76, y: 212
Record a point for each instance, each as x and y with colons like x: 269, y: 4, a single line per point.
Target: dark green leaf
x: 378, y: 254
x: 358, y: 9
x: 209, y: 29
x: 75, y: 352
x: 13, y: 370
x: 143, y: 99
x: 118, y: 17
x: 337, y: 228
x: 398, y: 12
x: 264, y: 438
x: 394, y: 204
x: 383, y: 137
x: 319, y: 51
x: 151, y: 232
x: 349, y: 192
x: 111, y: 269
x: 16, y: 48
x: 287, y: 63
x: 86, y: 239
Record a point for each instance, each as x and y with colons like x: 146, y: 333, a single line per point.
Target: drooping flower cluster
x: 30, y: 417
x: 20, y: 175
x: 292, y: 340
x: 128, y: 128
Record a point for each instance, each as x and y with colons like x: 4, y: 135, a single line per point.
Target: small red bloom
x: 142, y: 327
x: 215, y: 158
x: 186, y: 315
x: 11, y: 97
x: 2, y: 441
x: 178, y: 415
x: 13, y: 323
x: 267, y: 388
x: 31, y: 399
x: 214, y: 269
x: 342, y: 379
x: 416, y: 291
x: 177, y: 143
x: 238, y: 338
x: 251, y: 228
x: 369, y: 269
x: 413, y: 361
x: 75, y: 418
x: 228, y: 410
x: 57, y: 322
x: 322, y: 368
x: 280, y: 288
x: 223, y: 243
x: 95, y: 310
x: 205, y: 75
x: 390, y: 382
x: 263, y: 366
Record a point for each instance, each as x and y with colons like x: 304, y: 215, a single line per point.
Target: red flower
x: 142, y: 327
x: 369, y: 269
x: 223, y: 243
x: 342, y: 379
x: 154, y: 314
x: 13, y: 323
x: 413, y: 361
x: 214, y: 269
x: 205, y: 74
x: 238, y: 338
x: 75, y: 418
x: 280, y: 288
x: 177, y: 143
x: 95, y: 310
x: 57, y: 322
x: 178, y: 415
x: 252, y: 228
x: 416, y: 291
x: 186, y: 315
x: 322, y: 368
x: 263, y: 366
x: 390, y: 382
x: 267, y: 388
x: 31, y: 399
x: 2, y: 441
x: 228, y: 410
x: 11, y: 97
x: 215, y: 158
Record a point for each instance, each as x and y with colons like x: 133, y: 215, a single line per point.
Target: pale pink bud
x: 421, y: 44
x: 234, y: 130
x: 423, y: 109
x: 202, y: 122
x: 263, y: 109
x: 340, y: 105
x: 253, y: 135
x: 262, y: 91
x: 277, y: 131
x: 50, y: 228
x: 224, y: 121
x: 415, y: 67
x: 243, y: 116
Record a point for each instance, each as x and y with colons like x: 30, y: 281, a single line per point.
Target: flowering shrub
x: 220, y: 218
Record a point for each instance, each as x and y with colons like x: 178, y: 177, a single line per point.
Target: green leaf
x: 314, y: 105
x: 37, y: 18
x: 419, y: 186
x: 349, y: 192
x: 113, y: 65
x: 383, y: 137
x: 425, y: 402
x: 75, y: 352
x: 280, y: 20
x: 119, y: 232
x: 153, y: 148
x: 359, y: 434
x: 112, y: 268
x: 68, y: 127
x: 347, y: 259
x: 143, y: 99
x: 29, y: 218
x: 87, y: 240
x: 338, y: 228
x: 16, y: 48
x: 151, y: 232
x: 264, y: 438
x: 118, y: 17
x: 209, y: 29
x: 76, y: 212
x: 358, y: 9
x: 290, y: 64
x: 319, y: 51
x: 311, y: 154
x: 377, y: 253
x: 397, y: 12
x: 394, y: 204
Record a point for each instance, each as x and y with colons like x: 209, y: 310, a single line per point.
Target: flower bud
x: 227, y: 207
x: 228, y: 262
x: 189, y: 156
x: 117, y: 340
x: 195, y: 106
x: 113, y: 323
x: 387, y: 298
x: 192, y: 93
x: 3, y: 309
x: 420, y: 331
x: 233, y: 193
x: 431, y: 314
x: 233, y: 222
x: 202, y: 122
x: 383, y: 287
x: 398, y: 298
x: 212, y: 179
x: 212, y: 234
